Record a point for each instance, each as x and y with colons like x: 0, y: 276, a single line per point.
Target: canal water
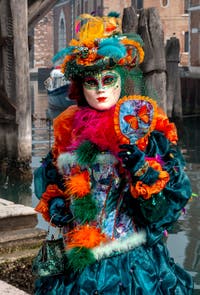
x: 184, y: 240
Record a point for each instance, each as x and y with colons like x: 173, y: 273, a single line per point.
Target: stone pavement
x: 20, y: 240
x: 6, y: 289
x: 16, y: 216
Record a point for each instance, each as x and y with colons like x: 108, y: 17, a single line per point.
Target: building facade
x: 194, y: 45
x: 43, y: 48
x: 175, y: 21
x: 66, y: 13
x: 58, y: 26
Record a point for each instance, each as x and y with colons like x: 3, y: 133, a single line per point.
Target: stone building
x: 194, y: 17
x: 175, y: 21
x: 65, y: 14
x: 43, y: 48
x: 57, y: 28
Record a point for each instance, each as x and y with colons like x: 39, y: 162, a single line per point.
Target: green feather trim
x: 85, y: 209
x: 87, y: 152
x: 79, y: 258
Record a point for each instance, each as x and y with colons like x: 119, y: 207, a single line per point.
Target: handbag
x: 51, y: 258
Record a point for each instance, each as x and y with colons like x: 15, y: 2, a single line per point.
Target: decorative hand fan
x: 134, y: 118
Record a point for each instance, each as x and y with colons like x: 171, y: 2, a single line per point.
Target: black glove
x: 59, y: 213
x: 133, y: 159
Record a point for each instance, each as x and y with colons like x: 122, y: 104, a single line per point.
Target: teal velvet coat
x: 141, y: 269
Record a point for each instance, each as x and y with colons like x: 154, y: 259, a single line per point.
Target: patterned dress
x: 124, y: 219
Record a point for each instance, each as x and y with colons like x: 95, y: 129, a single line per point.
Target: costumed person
x: 114, y: 179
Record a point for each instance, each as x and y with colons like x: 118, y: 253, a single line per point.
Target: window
x: 86, y: 7
x: 186, y: 6
x: 139, y: 4
x: 62, y: 32
x: 186, y: 42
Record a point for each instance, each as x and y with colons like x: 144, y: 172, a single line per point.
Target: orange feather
x: 78, y: 185
x: 85, y: 236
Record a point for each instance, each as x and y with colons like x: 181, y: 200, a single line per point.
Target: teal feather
x: 111, y: 51
x: 61, y: 54
x: 109, y: 41
x: 112, y: 48
x: 113, y: 14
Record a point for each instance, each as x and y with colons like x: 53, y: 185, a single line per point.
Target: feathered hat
x: 100, y: 45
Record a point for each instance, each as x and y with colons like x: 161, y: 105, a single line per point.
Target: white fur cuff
x: 119, y: 246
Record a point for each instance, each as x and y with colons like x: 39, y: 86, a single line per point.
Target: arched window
x: 164, y: 3
x: 62, y: 32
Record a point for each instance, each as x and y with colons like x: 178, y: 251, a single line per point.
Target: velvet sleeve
x: 159, y: 213
x: 46, y: 174
x: 177, y: 193
x: 50, y: 190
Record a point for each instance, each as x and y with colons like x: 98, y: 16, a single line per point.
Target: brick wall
x: 173, y: 19
x: 194, y: 3
x: 115, y: 5
x: 43, y: 45
x: 67, y: 11
x: 174, y: 22
x: 195, y: 39
x: 71, y: 10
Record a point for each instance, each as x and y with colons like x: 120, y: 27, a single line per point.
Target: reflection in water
x: 183, y: 242
x: 15, y: 183
x: 189, y: 139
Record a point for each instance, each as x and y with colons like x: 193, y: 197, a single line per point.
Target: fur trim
x: 70, y: 159
x: 119, y: 246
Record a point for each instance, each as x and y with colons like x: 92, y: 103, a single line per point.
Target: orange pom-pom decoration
x: 78, y: 185
x: 85, y: 236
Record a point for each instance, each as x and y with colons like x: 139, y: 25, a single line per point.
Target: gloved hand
x: 133, y: 159
x: 60, y: 215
